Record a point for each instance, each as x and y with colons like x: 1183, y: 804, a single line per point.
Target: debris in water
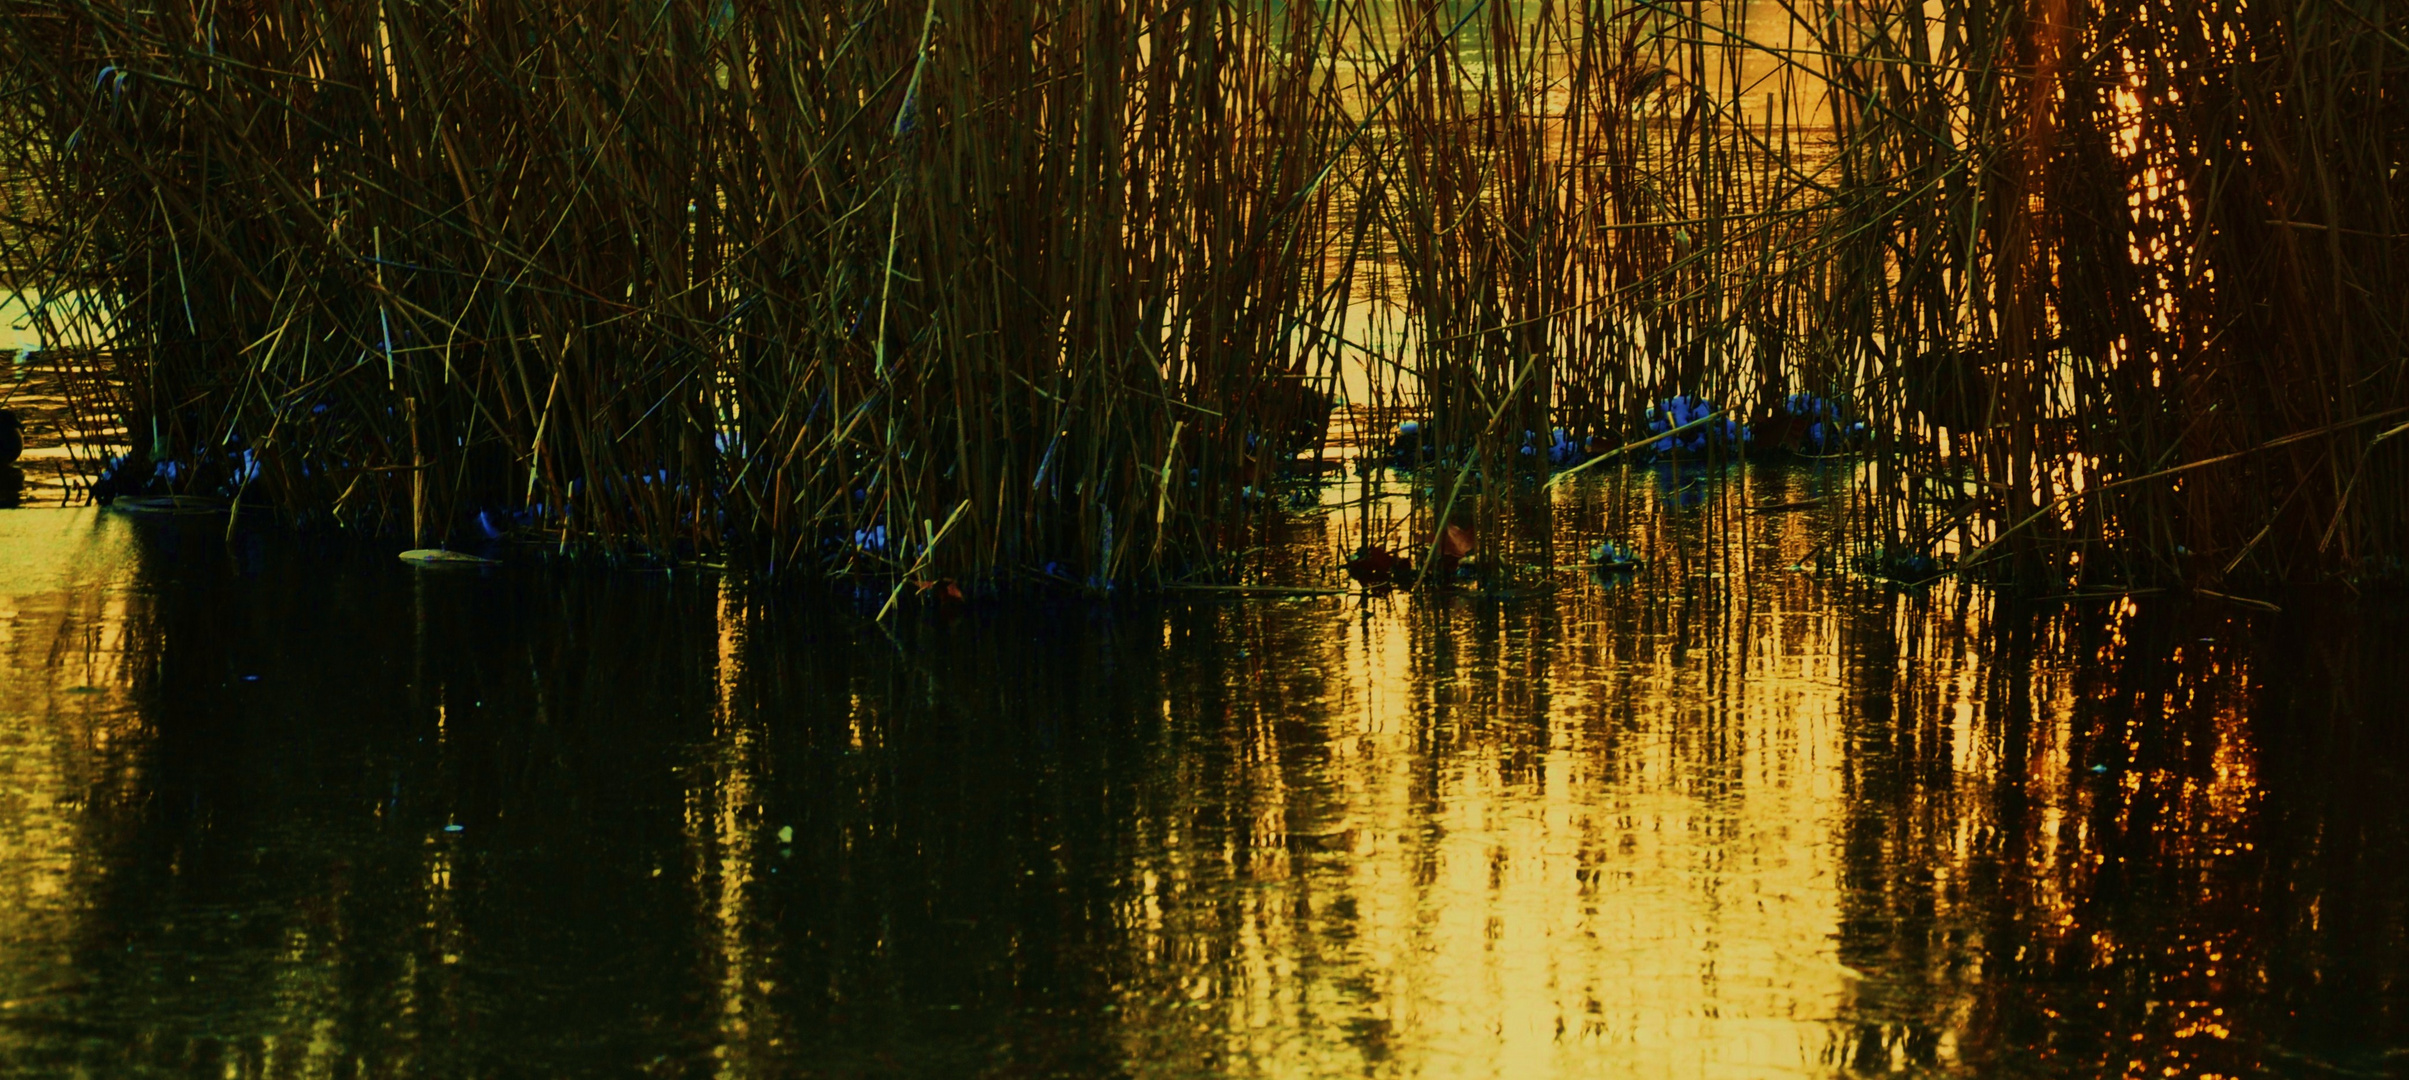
x: 1906, y: 568
x: 1374, y: 565
x: 1674, y: 416
x: 1613, y: 558
x: 2239, y: 601
x: 439, y: 557
x: 167, y: 504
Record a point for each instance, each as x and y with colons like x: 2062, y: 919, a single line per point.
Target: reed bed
x: 965, y: 287
x: 1061, y: 289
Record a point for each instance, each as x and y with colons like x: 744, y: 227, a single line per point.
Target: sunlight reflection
x: 1720, y: 818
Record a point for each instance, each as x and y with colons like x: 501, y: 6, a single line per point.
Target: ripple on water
x: 274, y: 806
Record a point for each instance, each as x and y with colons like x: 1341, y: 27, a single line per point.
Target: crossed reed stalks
x: 1059, y: 288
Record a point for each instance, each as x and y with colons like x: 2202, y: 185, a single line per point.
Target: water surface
x: 271, y: 807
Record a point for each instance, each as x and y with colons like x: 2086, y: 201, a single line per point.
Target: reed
x: 803, y: 281
x: 2111, y: 289
x: 1057, y: 288
x: 2106, y: 329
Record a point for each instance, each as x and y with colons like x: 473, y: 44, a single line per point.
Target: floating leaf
x: 440, y: 557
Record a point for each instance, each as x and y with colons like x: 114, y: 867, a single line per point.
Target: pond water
x: 276, y: 807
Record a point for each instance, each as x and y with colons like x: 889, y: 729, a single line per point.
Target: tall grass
x: 2113, y: 289
x: 1059, y: 287
x: 806, y: 280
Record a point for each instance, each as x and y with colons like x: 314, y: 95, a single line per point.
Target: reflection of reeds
x: 2111, y: 288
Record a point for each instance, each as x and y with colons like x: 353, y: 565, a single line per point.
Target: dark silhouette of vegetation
x: 1056, y: 289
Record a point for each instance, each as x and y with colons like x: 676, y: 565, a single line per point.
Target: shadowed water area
x: 274, y: 807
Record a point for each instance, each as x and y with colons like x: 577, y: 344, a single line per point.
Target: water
x: 283, y: 808
x: 48, y: 472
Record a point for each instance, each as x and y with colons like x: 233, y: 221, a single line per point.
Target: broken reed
x: 2114, y: 288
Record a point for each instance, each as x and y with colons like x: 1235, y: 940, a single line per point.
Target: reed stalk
x: 2110, y: 289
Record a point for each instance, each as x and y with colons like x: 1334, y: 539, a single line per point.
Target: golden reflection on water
x: 1636, y: 879
x: 1524, y: 847
x: 721, y: 830
x: 1731, y: 819
x: 66, y: 736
